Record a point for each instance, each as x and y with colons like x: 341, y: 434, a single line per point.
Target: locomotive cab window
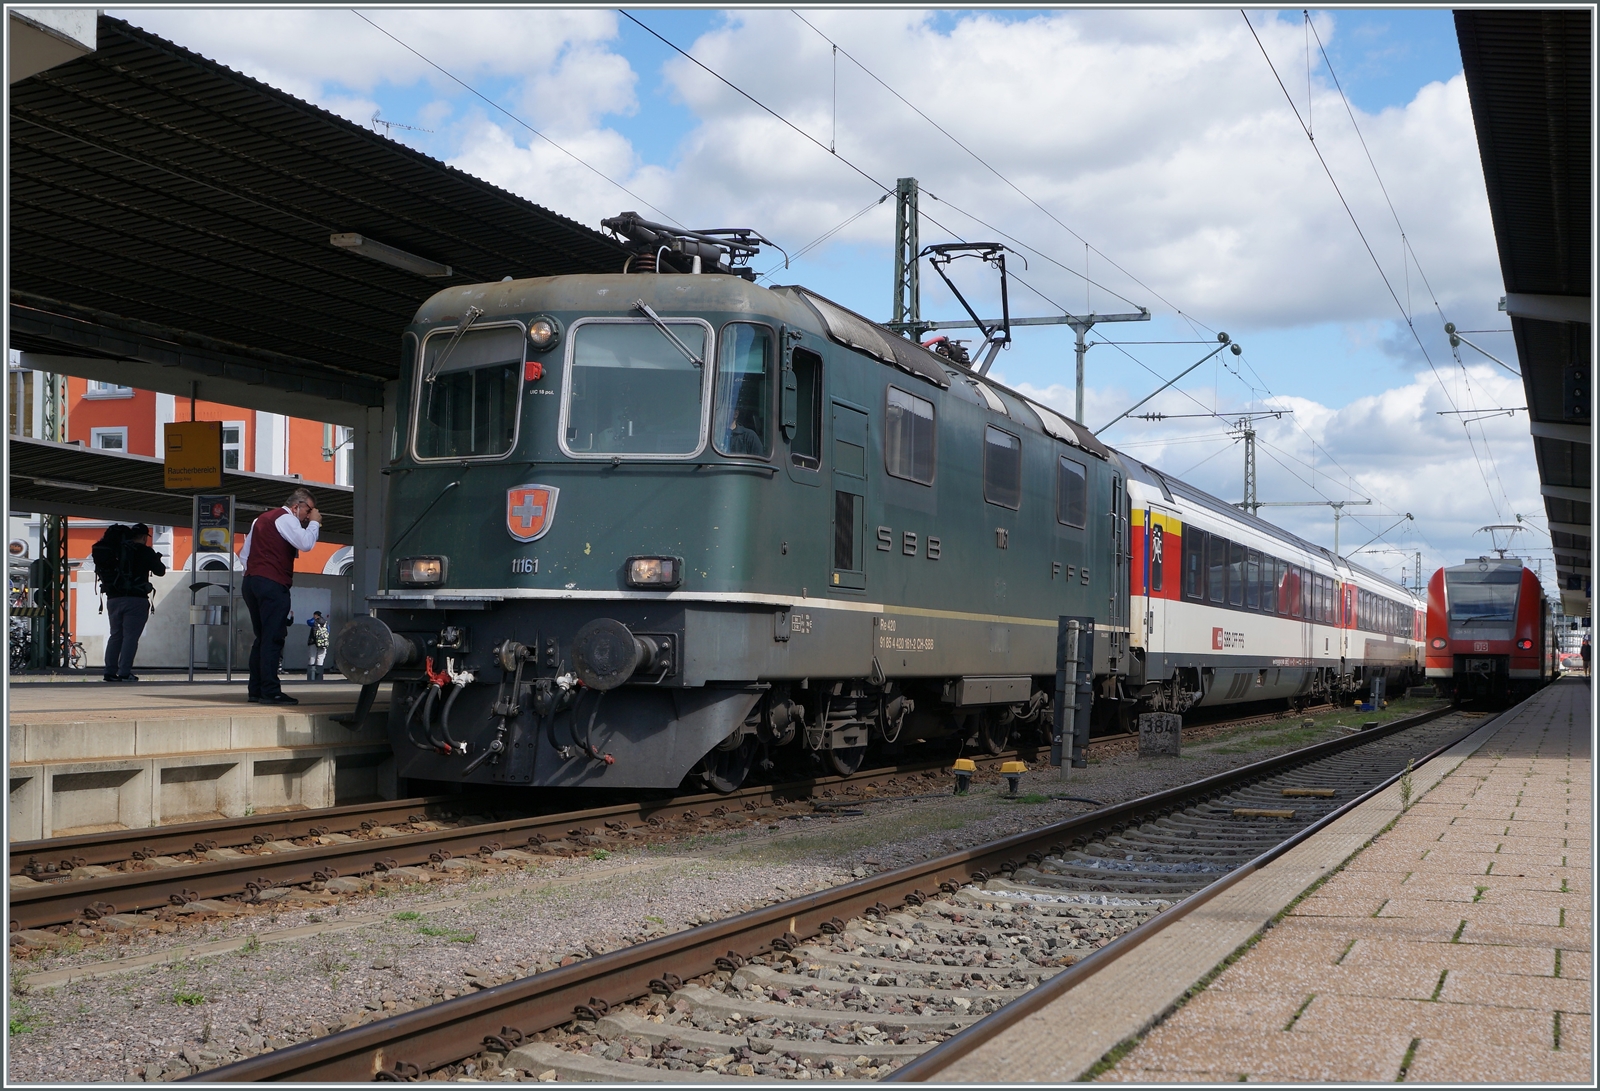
x: 469, y: 391
x: 1002, y: 468
x: 1072, y: 492
x: 633, y: 392
x: 805, y: 447
x: 908, y: 436
x: 743, y: 424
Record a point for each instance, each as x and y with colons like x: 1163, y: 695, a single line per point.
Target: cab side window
x: 742, y: 424
x: 805, y: 449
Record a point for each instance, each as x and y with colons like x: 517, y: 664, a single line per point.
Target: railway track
x: 866, y: 978
x: 99, y: 877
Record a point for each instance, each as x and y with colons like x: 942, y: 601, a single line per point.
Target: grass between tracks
x: 1291, y: 731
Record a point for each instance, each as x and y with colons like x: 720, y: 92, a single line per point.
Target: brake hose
x: 411, y: 715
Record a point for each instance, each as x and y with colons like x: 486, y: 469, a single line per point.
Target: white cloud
x: 1162, y: 136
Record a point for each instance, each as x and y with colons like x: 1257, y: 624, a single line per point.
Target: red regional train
x: 1491, y: 634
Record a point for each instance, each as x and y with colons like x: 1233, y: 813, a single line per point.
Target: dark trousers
x: 127, y: 616
x: 268, y: 603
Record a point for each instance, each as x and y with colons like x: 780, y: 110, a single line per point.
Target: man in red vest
x: 275, y: 540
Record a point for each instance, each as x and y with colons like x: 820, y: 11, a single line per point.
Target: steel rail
x: 118, y: 845
x: 431, y: 1037
x: 929, y: 1065
x: 63, y: 902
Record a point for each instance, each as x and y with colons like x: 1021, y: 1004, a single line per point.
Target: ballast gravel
x: 469, y: 928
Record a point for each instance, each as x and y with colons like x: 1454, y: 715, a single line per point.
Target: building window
x: 109, y: 439
x: 1072, y: 493
x: 1002, y: 468
x: 98, y: 389
x: 232, y: 444
x: 908, y: 437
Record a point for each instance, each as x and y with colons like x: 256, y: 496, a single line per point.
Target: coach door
x: 1116, y: 613
x: 849, y: 498
x: 1154, y: 579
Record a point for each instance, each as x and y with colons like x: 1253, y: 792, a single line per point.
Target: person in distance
x: 128, y: 590
x: 276, y: 538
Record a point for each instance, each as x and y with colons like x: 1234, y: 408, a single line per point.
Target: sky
x: 1129, y: 158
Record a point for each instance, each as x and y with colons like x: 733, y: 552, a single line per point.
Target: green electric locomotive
x: 667, y: 523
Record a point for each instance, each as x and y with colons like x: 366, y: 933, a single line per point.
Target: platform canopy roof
x: 66, y: 479
x: 171, y: 223
x: 1530, y: 80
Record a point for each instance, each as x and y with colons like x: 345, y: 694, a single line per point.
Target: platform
x: 92, y: 756
x: 1455, y: 947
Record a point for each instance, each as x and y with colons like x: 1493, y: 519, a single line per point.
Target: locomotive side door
x: 849, y: 552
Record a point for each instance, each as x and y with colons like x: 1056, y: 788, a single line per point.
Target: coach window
x: 1235, y: 574
x: 742, y: 420
x: 1072, y: 493
x: 1194, y: 563
x: 1269, y: 585
x: 1252, y: 580
x: 908, y: 437
x: 1216, y: 569
x: 1289, y: 600
x: 805, y: 448
x: 1002, y: 468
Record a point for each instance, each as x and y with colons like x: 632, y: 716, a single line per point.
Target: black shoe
x: 280, y: 699
x: 110, y: 678
x: 127, y: 677
x: 253, y: 699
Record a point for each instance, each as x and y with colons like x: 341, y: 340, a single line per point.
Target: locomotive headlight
x: 1524, y: 644
x: 654, y: 571
x: 544, y: 332
x: 423, y: 571
x: 1438, y: 643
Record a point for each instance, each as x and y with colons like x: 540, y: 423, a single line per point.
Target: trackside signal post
x: 1069, y: 738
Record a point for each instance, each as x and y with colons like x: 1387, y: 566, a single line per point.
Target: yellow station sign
x: 194, y: 454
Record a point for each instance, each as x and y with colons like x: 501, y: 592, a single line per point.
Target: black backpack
x: 107, y: 557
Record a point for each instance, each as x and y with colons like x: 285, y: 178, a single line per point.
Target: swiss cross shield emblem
x: 530, y: 509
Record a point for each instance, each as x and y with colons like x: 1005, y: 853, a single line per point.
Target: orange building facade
x: 128, y: 420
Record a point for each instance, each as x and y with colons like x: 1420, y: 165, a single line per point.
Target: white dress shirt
x: 289, y: 528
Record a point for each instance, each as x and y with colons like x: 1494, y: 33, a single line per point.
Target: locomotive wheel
x: 994, y: 732
x: 847, y: 760
x: 724, y: 770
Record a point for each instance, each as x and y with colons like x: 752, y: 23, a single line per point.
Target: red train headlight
x: 1438, y: 643
x: 1524, y: 644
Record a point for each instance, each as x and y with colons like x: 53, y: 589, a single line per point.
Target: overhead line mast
x: 908, y: 294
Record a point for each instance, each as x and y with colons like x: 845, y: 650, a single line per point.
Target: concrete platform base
x: 1063, y: 1041
x: 90, y: 757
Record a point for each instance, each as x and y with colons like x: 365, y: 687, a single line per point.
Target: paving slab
x: 1290, y: 1008
x: 1479, y: 1004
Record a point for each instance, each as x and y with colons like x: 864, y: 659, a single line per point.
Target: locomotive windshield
x: 1483, y: 599
x: 467, y: 404
x: 632, y: 392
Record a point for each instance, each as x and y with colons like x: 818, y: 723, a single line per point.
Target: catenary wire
x: 1388, y: 285
x: 473, y: 90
